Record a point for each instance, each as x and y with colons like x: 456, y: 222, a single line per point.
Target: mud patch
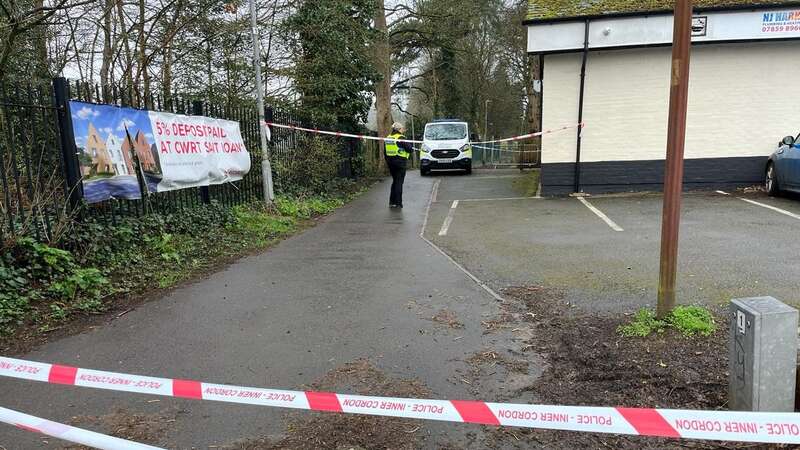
x: 501, y: 322
x: 344, y: 432
x: 361, y: 377
x: 447, y: 318
x: 488, y: 359
x: 589, y: 363
x: 495, y: 375
x: 142, y: 428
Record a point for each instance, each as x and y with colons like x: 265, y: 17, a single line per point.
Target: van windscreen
x: 445, y: 131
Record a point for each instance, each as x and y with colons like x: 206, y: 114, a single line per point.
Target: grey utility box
x: 763, y: 355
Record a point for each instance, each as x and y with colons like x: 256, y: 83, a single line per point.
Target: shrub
x: 290, y: 207
x: 309, y: 168
x: 14, y: 298
x: 89, y: 282
x: 164, y: 246
x: 42, y: 260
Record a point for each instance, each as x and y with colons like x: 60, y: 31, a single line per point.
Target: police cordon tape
x: 533, y: 135
x: 504, y: 150
x: 375, y: 138
x: 337, y: 133
x: 68, y: 433
x: 669, y: 423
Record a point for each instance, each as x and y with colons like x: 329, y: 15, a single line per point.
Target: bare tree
x: 32, y: 20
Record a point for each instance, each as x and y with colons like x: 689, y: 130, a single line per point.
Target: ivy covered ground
x: 102, y: 270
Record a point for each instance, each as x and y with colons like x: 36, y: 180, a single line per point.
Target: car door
x: 786, y: 160
x: 792, y: 163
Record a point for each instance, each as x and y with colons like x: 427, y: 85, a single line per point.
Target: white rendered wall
x: 743, y: 98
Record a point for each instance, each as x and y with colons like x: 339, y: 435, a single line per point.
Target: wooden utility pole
x: 676, y: 137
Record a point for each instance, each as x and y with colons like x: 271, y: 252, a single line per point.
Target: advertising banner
x: 118, y: 147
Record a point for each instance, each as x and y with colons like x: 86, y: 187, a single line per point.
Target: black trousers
x: 397, y: 167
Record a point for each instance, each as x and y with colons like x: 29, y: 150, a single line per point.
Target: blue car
x: 783, y: 168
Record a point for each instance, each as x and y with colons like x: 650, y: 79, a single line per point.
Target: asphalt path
x: 361, y: 284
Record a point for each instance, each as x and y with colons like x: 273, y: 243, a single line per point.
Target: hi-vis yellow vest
x: 392, y: 149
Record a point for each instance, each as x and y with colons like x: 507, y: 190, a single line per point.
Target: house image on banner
x: 98, y: 151
x: 143, y: 152
x: 123, y: 165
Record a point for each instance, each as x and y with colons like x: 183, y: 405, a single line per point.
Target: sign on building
x: 699, y: 25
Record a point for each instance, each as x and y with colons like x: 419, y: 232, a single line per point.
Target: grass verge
x: 528, y: 186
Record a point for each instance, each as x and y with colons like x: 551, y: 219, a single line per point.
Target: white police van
x: 446, y: 146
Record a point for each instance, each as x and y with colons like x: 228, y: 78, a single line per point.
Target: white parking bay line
x: 494, y: 177
x: 600, y: 214
x: 449, y: 219
x: 782, y: 211
x: 496, y: 199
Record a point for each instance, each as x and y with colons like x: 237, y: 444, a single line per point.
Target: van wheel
x: 468, y: 171
x: 424, y: 172
x: 771, y: 180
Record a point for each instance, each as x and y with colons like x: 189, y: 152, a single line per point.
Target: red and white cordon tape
x: 670, y: 423
x: 375, y: 138
x: 336, y: 133
x: 533, y: 135
x: 68, y: 433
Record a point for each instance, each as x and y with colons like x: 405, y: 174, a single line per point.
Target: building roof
x: 544, y: 10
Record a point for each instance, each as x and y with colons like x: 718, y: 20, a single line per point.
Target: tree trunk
x: 435, y: 88
x: 534, y: 109
x: 383, y: 62
x: 166, y: 49
x: 166, y: 76
x: 269, y: 49
x: 40, y: 41
x: 126, y: 46
x: 209, y: 63
x: 108, y: 50
x: 5, y: 54
x: 144, y: 74
x: 534, y: 113
x: 92, y: 59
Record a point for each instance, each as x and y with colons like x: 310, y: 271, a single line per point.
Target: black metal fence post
x: 205, y: 193
x: 69, y: 151
x: 352, y: 149
x: 269, y: 115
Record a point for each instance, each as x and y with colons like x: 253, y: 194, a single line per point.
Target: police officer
x: 397, y: 154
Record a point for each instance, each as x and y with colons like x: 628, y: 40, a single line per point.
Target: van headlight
x: 424, y: 149
x: 465, y: 148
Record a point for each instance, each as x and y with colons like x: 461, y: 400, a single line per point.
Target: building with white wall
x: 744, y: 90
